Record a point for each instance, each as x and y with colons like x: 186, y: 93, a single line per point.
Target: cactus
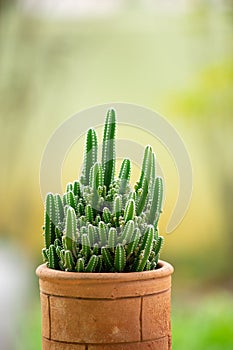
x: 117, y: 208
x: 108, y: 150
x: 129, y: 210
x: 91, y: 265
x: 100, y: 224
x: 49, y: 231
x: 124, y: 175
x: 69, y: 239
x: 120, y: 258
x: 90, y: 155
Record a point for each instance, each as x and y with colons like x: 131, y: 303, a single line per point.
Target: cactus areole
x: 101, y: 255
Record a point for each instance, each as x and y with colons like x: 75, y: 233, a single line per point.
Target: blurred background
x: 59, y: 57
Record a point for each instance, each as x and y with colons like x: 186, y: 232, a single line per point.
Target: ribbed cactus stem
x: 45, y: 254
x: 157, y: 247
x: 120, y: 258
x: 145, y: 253
x: 128, y: 231
x: 156, y: 203
x: 102, y: 233
x: 112, y: 237
x: 59, y: 208
x: 96, y: 176
x: 95, y: 249
x: 134, y: 244
x: 99, y: 264
x: 107, y: 258
x: 129, y: 210
x: 151, y: 181
x: 50, y: 217
x: 62, y: 257
x: 86, y: 250
x: 144, y: 181
x: 117, y: 208
x: 91, y: 234
x: 108, y: 150
x: 53, y: 261
x: 80, y: 209
x: 77, y: 189
x: 79, y: 267
x: 70, y: 236
x: 69, y: 261
x: 58, y: 251
x: 70, y: 200
x: 69, y: 187
x: 106, y: 215
x: 148, y: 265
x: 124, y: 175
x: 146, y: 166
x: 90, y: 155
x: 92, y: 263
x: 57, y: 243
x: 89, y: 213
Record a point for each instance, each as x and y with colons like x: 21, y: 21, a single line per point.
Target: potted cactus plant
x: 102, y: 285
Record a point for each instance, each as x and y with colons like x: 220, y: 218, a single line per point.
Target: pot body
x: 106, y: 311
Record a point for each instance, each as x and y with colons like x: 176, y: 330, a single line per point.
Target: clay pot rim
x: 44, y: 273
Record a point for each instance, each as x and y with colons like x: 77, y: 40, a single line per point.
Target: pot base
x: 158, y: 344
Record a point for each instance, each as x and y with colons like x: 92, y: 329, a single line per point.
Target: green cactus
x: 89, y: 213
x: 53, y: 260
x: 156, y: 204
x: 45, y: 254
x: 91, y: 265
x: 120, y: 258
x: 91, y: 234
x: 143, y: 184
x: 133, y: 244
x: 112, y: 238
x: 146, y: 251
x: 117, y: 209
x: 108, y: 150
x: 107, y: 258
x: 86, y: 250
x: 50, y: 213
x: 100, y: 224
x: 69, y: 239
x: 80, y: 265
x: 77, y: 189
x: 106, y: 215
x: 69, y: 187
x: 69, y: 261
x: 129, y: 210
x: 124, y: 175
x: 59, y: 208
x: 70, y: 200
x: 90, y: 155
x: 127, y: 233
x: 102, y: 233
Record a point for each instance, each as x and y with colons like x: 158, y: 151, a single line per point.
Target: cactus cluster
x: 100, y: 224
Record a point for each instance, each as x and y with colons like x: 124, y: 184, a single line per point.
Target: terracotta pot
x: 106, y: 311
